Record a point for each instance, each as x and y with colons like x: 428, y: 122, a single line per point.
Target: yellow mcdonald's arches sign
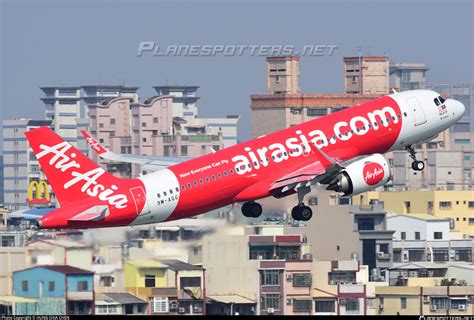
x: 40, y: 187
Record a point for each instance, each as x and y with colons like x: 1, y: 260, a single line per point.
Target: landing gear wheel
x: 252, y: 209
x: 418, y: 165
x: 301, y: 213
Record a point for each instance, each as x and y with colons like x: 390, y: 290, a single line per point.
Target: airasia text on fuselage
x: 300, y: 144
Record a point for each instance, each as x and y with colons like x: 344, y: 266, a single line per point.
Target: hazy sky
x: 49, y: 43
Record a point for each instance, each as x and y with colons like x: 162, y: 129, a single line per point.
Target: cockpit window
x: 436, y: 101
x: 442, y: 99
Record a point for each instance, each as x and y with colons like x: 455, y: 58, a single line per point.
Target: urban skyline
x: 109, y: 56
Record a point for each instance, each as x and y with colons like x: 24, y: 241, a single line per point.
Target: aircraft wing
x: 323, y: 170
x: 149, y: 161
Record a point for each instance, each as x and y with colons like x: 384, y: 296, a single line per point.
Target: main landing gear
x: 252, y: 209
x: 302, y: 212
x: 416, y: 164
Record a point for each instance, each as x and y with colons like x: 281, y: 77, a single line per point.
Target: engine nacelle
x: 362, y: 175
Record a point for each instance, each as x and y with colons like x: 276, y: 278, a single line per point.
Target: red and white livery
x: 342, y: 151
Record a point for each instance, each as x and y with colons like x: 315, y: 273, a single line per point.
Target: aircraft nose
x: 458, y: 108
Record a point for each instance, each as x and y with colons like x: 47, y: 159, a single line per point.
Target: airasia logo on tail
x: 88, y: 181
x: 373, y: 173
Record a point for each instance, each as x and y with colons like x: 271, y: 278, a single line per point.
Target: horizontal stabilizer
x: 94, y: 213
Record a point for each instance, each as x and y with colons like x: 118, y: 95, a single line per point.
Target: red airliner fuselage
x: 275, y: 164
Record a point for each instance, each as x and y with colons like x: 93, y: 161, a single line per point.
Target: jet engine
x: 362, y: 175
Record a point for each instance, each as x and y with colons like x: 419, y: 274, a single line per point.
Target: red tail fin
x: 71, y: 174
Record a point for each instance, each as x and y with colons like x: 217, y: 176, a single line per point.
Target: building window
x: 184, y: 151
x: 417, y: 235
x: 194, y: 282
x: 24, y: 285
x: 445, y: 205
x: 416, y: 255
x: 155, y: 120
x: 313, y: 112
x: 101, y: 125
x: 270, y: 277
x: 82, y: 286
x: 403, y: 303
x: 51, y: 286
x: 295, y: 111
x: 166, y: 151
x: 462, y: 141
x: 271, y: 301
x: 143, y: 124
x: 112, y: 121
x: 287, y: 253
x: 325, y: 306
x: 302, y: 305
x: 149, y: 280
x: 384, y: 247
x: 403, y: 235
x: 439, y: 303
x: 106, y: 281
x: 440, y: 255
x: 302, y: 280
x: 365, y: 224
x: 159, y: 305
x: 470, y: 204
x: 438, y: 235
x: 352, y: 305
x: 341, y: 277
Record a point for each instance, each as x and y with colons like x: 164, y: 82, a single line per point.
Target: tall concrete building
x: 184, y: 99
x: 448, y: 164
x: 278, y: 109
x: 63, y: 107
x: 366, y: 74
x: 149, y: 128
x: 1, y: 180
x: 408, y: 76
x: 461, y: 91
x: 20, y: 164
x: 283, y: 74
x: 66, y: 107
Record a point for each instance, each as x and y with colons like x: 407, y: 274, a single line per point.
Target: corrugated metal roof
x: 177, y: 265
x: 66, y: 269
x: 8, y: 300
x: 231, y: 298
x: 123, y: 297
x: 418, y: 216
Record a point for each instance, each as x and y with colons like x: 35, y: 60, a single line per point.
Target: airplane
x: 342, y: 151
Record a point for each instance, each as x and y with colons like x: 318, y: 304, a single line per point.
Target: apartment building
x: 426, y: 300
x: 172, y: 288
x: 366, y: 74
x: 20, y: 166
x: 408, y: 76
x: 457, y: 206
x: 283, y: 105
x: 59, y: 289
x: 72, y: 253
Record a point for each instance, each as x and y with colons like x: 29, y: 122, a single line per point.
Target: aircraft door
x: 417, y: 110
x: 139, y: 196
